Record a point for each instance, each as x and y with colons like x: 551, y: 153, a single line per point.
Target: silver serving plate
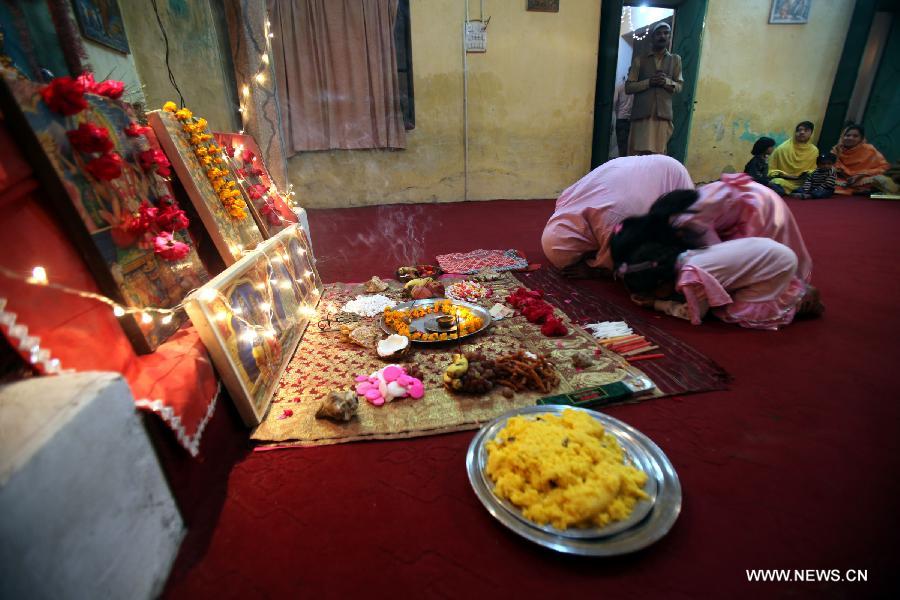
x: 428, y: 324
x: 634, y: 455
x: 618, y: 538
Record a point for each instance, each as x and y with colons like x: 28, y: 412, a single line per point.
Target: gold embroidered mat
x: 324, y: 362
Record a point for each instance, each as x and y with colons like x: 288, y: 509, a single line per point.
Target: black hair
x: 859, y: 128
x: 655, y: 267
x: 650, y: 244
x: 826, y: 157
x: 761, y: 145
x: 807, y: 124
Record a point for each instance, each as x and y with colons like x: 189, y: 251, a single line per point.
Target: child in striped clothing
x: 820, y: 183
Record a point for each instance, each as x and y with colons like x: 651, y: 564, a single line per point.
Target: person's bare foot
x: 811, y: 306
x: 581, y: 270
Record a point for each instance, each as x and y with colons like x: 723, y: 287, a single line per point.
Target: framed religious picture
x: 252, y: 316
x: 208, y: 180
x: 101, y: 22
x: 268, y: 206
x: 542, y: 5
x: 789, y: 12
x: 108, y: 183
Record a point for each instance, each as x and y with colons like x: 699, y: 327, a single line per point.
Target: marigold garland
x: 209, y: 155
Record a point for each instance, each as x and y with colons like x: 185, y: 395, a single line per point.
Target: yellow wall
x: 197, y: 56
x: 530, y: 112
x: 758, y: 79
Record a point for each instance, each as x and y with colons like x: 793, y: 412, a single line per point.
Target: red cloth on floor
x: 177, y: 381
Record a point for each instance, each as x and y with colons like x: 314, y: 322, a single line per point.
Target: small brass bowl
x: 445, y: 322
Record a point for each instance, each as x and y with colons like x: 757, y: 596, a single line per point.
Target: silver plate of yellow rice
x: 574, y: 480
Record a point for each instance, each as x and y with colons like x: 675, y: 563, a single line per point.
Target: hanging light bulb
x: 146, y: 318
x: 38, y: 276
x: 118, y: 311
x: 166, y: 319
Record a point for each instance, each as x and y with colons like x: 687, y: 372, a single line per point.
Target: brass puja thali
x: 650, y: 519
x: 435, y: 320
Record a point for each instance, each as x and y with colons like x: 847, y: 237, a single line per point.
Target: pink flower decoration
x: 135, y: 130
x: 110, y: 88
x: 86, y: 81
x: 285, y: 414
x: 169, y: 248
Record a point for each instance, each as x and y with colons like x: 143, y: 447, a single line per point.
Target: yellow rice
x: 563, y: 470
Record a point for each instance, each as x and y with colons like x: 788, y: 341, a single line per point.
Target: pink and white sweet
x: 387, y: 384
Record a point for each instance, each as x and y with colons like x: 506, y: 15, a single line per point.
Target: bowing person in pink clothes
x: 576, y: 238
x: 737, y: 207
x: 753, y: 281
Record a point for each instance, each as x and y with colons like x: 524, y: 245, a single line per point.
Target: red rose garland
x: 533, y: 307
x: 106, y: 167
x: 149, y: 226
x: 90, y: 138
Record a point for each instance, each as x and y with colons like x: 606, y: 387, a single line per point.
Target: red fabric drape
x: 177, y: 381
x: 336, y: 70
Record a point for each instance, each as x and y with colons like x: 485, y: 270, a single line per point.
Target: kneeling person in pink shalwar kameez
x: 749, y: 281
x: 577, y: 234
x: 737, y: 207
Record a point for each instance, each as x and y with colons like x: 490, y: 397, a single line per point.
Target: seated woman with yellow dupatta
x: 794, y: 159
x: 858, y: 162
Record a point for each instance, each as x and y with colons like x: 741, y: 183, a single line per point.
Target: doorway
x: 623, y: 26
x: 636, y: 23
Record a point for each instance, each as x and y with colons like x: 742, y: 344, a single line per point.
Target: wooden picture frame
x: 97, y: 215
x: 252, y: 316
x: 232, y: 237
x: 102, y: 22
x: 542, y: 5
x: 270, y: 211
x: 790, y: 12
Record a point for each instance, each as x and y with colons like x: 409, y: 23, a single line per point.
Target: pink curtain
x: 336, y: 70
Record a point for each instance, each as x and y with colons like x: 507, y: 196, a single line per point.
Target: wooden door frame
x: 687, y: 43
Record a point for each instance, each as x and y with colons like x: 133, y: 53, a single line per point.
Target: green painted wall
x: 882, y: 118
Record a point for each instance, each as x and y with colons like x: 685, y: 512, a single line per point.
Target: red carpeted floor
x: 795, y: 467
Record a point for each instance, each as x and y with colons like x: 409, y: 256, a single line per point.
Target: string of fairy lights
x: 627, y: 11
x: 206, y: 295
x: 259, y: 78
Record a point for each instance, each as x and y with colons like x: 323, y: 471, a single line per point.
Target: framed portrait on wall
x: 101, y: 22
x: 252, y: 316
x: 789, y: 12
x: 107, y: 183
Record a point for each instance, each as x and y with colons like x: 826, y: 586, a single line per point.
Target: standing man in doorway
x: 622, y: 105
x: 653, y: 78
